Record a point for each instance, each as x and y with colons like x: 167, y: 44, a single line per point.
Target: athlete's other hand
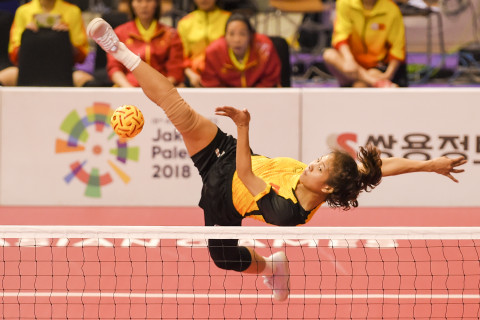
x: 446, y: 166
x: 240, y: 117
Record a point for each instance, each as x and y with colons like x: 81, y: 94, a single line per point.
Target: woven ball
x: 127, y: 121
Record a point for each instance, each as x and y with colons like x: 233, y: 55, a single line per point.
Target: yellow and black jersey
x: 226, y: 201
x: 277, y: 204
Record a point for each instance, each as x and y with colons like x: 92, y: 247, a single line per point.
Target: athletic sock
x: 129, y: 59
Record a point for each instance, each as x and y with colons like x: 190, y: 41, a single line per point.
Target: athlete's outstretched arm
x: 241, y: 118
x: 442, y: 165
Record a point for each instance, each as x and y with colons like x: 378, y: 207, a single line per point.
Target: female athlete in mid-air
x: 237, y: 183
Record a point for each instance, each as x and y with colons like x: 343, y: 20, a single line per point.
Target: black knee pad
x: 227, y: 255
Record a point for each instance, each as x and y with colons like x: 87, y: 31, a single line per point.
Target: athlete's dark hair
x: 347, y: 181
x: 237, y: 16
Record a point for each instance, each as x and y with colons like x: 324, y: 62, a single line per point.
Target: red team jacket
x: 262, y: 69
x: 164, y: 52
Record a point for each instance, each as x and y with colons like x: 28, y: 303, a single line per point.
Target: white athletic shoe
x: 279, y: 282
x: 103, y: 34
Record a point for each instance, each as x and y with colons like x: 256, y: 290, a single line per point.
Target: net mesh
x: 166, y: 273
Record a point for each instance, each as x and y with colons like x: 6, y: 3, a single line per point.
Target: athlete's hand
x: 240, y: 117
x: 446, y: 166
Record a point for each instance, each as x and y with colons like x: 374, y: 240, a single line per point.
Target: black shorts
x: 216, y: 164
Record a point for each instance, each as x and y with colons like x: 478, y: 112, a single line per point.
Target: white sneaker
x: 279, y: 282
x: 103, y: 34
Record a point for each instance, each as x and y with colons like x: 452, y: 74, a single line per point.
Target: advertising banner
x: 411, y: 123
x: 58, y: 148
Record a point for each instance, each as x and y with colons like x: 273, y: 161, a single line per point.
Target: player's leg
x: 275, y: 271
x: 197, y: 131
x: 228, y: 255
x: 334, y: 62
x: 9, y: 76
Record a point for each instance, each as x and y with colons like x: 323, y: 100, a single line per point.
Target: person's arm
x: 73, y: 22
x: 18, y: 27
x: 392, y: 69
x: 342, y: 31
x: 174, y: 63
x: 350, y: 66
x: 214, y: 59
x: 270, y: 77
x: 194, y: 78
x: 345, y: 51
x: 120, y: 79
x: 183, y: 31
x: 396, y: 43
x: 442, y: 165
x: 241, y: 118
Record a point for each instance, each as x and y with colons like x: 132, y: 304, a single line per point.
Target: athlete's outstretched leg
x: 197, y: 131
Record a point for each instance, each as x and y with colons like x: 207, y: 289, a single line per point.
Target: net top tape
x: 220, y: 232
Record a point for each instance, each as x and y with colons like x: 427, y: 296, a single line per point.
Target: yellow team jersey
x: 197, y: 30
x: 69, y: 14
x: 281, y: 176
x: 376, y: 35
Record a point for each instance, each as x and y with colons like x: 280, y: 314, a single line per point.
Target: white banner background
x: 298, y: 123
x: 453, y: 114
x: 33, y: 173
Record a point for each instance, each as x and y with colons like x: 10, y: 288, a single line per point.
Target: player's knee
x: 330, y: 55
x: 230, y: 258
x: 223, y: 264
x: 234, y: 265
x: 219, y: 258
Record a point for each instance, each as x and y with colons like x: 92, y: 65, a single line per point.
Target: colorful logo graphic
x: 89, y: 136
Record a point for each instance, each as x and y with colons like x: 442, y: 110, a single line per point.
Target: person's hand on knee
x: 374, y: 72
x: 32, y: 26
x: 381, y: 79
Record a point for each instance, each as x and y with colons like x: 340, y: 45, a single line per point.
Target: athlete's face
x: 237, y: 37
x: 205, y: 5
x: 145, y: 9
x: 316, y: 174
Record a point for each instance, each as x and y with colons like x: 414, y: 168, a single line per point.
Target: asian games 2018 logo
x: 87, y: 137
